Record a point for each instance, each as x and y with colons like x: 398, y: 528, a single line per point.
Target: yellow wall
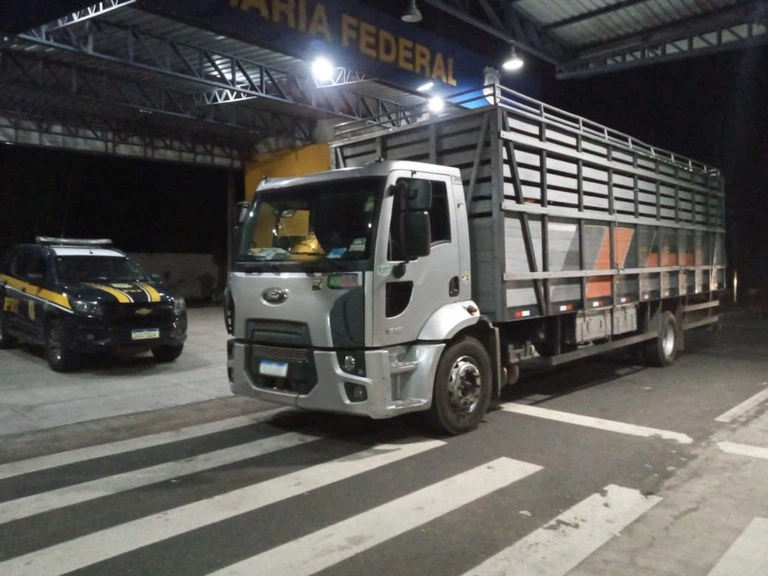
x: 283, y: 163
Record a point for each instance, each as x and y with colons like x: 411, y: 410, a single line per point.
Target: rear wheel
x: 6, y: 340
x: 663, y: 350
x: 60, y: 357
x: 168, y: 352
x: 462, y: 389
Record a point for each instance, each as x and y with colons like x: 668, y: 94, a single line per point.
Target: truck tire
x: 662, y: 350
x: 60, y: 357
x: 462, y: 389
x: 167, y: 353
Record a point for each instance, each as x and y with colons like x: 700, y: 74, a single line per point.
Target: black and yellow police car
x: 77, y: 297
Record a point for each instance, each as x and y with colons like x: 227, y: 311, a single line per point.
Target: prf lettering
x: 354, y: 33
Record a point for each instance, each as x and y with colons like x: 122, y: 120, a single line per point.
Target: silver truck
x: 446, y: 252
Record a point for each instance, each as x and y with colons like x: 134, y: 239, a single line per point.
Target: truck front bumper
x: 392, y: 385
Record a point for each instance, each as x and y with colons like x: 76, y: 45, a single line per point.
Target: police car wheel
x: 6, y: 340
x: 167, y: 353
x: 60, y: 358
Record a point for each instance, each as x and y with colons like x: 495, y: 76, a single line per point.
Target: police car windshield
x: 72, y: 269
x: 321, y: 222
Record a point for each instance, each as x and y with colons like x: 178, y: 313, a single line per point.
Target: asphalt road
x: 601, y: 467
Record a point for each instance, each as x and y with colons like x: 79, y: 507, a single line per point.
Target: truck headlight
x: 86, y: 307
x: 179, y: 305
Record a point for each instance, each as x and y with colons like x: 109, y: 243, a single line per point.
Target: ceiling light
x: 322, y: 69
x: 436, y: 105
x: 412, y: 14
x: 514, y: 62
x: 426, y: 86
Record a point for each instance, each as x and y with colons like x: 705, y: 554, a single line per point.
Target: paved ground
x: 598, y: 468
x: 32, y: 397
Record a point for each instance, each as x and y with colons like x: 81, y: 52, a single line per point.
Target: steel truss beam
x: 57, y: 79
x: 500, y: 19
x: 733, y: 27
x: 98, y: 9
x: 235, y: 77
x: 58, y: 129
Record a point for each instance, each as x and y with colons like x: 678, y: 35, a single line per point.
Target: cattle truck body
x: 580, y: 240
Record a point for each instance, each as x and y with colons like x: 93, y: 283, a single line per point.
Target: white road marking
x: 78, y: 493
x: 340, y: 541
x: 121, y: 446
x: 554, y: 549
x: 599, y: 423
x: 748, y: 556
x: 110, y: 542
x: 744, y: 407
x: 744, y: 450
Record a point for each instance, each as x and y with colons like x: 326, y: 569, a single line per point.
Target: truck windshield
x: 322, y: 223
x: 73, y: 269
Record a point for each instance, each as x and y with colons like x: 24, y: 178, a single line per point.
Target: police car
x: 78, y: 297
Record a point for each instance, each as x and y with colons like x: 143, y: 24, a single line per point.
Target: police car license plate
x: 270, y: 368
x: 145, y: 334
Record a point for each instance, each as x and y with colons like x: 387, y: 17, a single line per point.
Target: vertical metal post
x: 230, y: 218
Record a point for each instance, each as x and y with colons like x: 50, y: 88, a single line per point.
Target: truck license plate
x: 270, y: 368
x: 145, y: 334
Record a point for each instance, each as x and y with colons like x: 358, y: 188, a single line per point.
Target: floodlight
x: 322, y: 69
x: 412, y: 14
x: 514, y: 62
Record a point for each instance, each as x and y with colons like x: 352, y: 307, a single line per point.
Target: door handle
x: 453, y: 286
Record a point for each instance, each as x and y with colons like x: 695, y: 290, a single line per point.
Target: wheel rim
x: 54, y: 345
x: 464, y: 385
x: 668, y: 343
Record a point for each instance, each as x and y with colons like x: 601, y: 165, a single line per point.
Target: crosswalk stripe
x: 12, y: 469
x: 340, y: 541
x: 108, y: 543
x: 744, y: 407
x: 556, y: 548
x: 598, y: 423
x: 84, y: 491
x: 748, y: 555
x: 744, y: 450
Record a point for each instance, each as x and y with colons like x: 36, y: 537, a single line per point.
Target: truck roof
x: 377, y: 168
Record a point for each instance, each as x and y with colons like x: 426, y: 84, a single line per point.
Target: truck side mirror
x: 415, y: 195
x: 415, y: 234
x: 241, y: 211
x: 412, y: 231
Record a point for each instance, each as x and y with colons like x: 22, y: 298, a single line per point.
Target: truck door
x: 407, y: 293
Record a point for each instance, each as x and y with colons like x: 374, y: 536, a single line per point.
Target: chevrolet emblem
x: 143, y: 311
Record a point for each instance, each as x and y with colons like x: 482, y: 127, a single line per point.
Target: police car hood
x: 118, y: 291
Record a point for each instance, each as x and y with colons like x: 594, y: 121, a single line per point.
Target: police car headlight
x: 179, y: 305
x: 86, y: 307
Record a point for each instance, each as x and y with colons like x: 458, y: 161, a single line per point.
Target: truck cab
x: 347, y: 289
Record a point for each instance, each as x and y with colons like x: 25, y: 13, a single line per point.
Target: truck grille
x: 281, y: 354
x: 139, y: 315
x: 301, y: 375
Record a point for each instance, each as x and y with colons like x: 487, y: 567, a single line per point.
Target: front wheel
x: 462, y: 389
x: 167, y: 353
x: 60, y: 358
x: 663, y: 350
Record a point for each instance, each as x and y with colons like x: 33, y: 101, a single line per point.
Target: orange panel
x: 603, y: 261
x: 623, y: 240
x: 599, y: 287
x: 668, y: 258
